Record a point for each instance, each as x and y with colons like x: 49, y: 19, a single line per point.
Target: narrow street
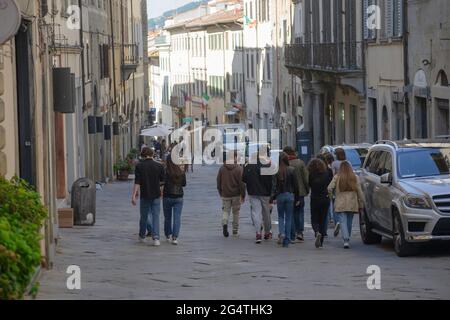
x: 207, y: 266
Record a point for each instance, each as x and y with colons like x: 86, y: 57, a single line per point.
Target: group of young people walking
x: 332, y: 185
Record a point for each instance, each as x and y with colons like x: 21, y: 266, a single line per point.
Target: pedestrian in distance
x: 319, y: 179
x: 340, y: 157
x: 259, y: 189
x: 349, y: 199
x: 174, y: 182
x: 149, y: 180
x: 285, y: 195
x: 231, y: 189
x: 301, y: 173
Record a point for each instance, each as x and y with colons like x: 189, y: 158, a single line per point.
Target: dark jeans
x: 149, y: 211
x: 172, y: 208
x: 319, y: 212
x: 298, y: 221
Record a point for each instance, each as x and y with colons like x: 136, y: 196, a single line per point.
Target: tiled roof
x: 224, y: 16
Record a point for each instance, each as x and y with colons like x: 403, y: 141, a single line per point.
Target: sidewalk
x: 207, y: 266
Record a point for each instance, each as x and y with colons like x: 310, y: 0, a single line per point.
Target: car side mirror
x: 386, y: 178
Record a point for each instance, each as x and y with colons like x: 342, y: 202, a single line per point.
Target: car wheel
x: 401, y: 246
x: 365, y: 227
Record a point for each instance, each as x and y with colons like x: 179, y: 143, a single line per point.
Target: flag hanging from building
x: 249, y: 22
x: 185, y: 96
x: 205, y: 100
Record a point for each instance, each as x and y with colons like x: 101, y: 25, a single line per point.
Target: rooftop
x: 220, y: 17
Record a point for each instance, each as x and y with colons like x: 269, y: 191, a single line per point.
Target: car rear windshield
x: 353, y: 157
x: 424, y: 163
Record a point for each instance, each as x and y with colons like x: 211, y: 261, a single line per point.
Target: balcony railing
x: 130, y: 60
x: 329, y: 57
x: 130, y: 54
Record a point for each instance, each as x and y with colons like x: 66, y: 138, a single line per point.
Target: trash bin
x: 84, y: 202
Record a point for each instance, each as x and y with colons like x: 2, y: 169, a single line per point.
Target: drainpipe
x: 406, y: 65
x: 83, y: 75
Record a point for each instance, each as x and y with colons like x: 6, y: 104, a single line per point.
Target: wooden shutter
x: 365, y: 16
x: 398, y: 18
x: 388, y: 18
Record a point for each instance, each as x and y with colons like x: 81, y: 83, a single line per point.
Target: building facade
x: 60, y: 116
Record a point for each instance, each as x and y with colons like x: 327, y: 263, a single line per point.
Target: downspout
x: 113, y: 55
x: 83, y: 75
x: 406, y: 67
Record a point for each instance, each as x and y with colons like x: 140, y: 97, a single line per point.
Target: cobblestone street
x: 207, y: 266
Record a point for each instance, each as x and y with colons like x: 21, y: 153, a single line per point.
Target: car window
x: 424, y: 163
x: 369, y: 160
x: 384, y: 164
x: 375, y: 162
x: 353, y: 157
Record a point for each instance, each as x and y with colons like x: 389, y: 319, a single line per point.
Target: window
x: 252, y: 66
x: 268, y: 67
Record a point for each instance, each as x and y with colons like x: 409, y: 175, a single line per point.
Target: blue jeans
x: 172, y: 208
x: 346, y: 221
x: 149, y: 211
x: 285, y: 206
x: 298, y: 222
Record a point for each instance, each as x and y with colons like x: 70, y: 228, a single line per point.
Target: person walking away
x: 325, y: 157
x: 175, y: 180
x: 149, y: 179
x: 232, y: 192
x: 349, y: 199
x: 340, y: 157
x: 301, y: 173
x: 319, y: 179
x: 259, y: 189
x: 285, y: 195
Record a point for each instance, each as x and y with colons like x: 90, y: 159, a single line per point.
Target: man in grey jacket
x: 301, y: 173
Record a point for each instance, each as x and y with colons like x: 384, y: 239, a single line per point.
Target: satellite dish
x: 10, y: 18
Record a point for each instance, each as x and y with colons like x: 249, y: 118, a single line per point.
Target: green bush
x: 21, y: 218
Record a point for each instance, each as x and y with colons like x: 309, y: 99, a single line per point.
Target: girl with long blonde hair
x: 349, y: 200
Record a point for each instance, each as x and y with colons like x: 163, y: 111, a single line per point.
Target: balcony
x: 339, y: 58
x: 130, y: 60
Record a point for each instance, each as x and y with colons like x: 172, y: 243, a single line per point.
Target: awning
x: 157, y: 130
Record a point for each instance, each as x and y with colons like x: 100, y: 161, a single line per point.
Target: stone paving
x: 207, y: 266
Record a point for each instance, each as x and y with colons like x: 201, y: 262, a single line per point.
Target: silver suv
x: 407, y: 190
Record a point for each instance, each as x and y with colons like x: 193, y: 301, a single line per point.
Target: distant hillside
x: 159, y: 21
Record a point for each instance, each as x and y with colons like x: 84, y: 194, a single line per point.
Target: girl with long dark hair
x: 175, y: 180
x: 319, y: 179
x: 286, y: 194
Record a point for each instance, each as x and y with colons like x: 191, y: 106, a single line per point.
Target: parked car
x: 355, y: 153
x: 407, y: 194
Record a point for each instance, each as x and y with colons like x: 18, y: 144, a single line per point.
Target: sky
x: 156, y: 8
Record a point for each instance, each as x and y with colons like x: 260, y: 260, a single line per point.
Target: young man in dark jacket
x: 259, y: 189
x: 232, y: 191
x: 148, y: 182
x: 301, y: 173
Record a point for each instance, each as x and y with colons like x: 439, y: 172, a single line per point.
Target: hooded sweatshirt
x: 229, y: 181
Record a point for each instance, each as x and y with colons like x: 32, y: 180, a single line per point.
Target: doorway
x: 442, y: 117
x: 421, y: 118
x: 373, y: 108
x: 25, y: 103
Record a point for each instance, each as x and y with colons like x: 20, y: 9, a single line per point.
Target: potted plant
x: 123, y: 169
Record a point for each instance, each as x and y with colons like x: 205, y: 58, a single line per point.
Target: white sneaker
x: 175, y: 242
x: 156, y: 243
x: 346, y: 245
x: 142, y: 240
x: 169, y: 239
